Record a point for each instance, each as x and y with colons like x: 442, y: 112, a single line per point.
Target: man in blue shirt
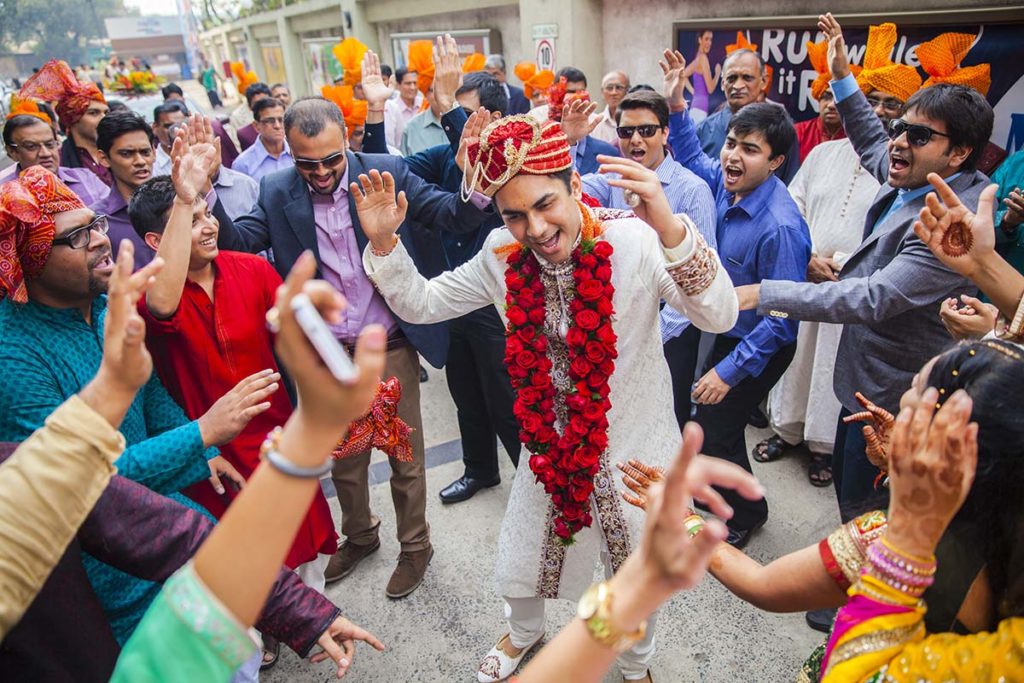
x: 761, y: 235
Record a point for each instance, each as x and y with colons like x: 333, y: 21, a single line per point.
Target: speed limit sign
x: 546, y: 54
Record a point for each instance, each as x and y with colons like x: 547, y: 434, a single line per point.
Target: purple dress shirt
x: 341, y: 264
x: 116, y: 210
x: 81, y: 181
x: 256, y: 161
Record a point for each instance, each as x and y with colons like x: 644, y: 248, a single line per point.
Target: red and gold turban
x: 349, y: 54
x: 27, y: 207
x: 474, y: 62
x: 532, y: 78
x: 514, y: 145
x: 941, y: 57
x: 57, y: 82
x: 421, y: 60
x: 817, y: 53
x: 21, y: 107
x: 352, y: 109
x: 245, y: 78
x: 879, y: 72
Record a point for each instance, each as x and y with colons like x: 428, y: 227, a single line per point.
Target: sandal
x: 770, y: 449
x: 820, y: 470
x: 271, y: 652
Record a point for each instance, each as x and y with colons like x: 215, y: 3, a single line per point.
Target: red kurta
x: 810, y: 134
x: 205, y: 349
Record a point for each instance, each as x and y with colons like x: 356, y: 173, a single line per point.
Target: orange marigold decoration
x: 380, y: 428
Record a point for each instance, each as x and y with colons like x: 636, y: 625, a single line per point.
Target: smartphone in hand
x: 333, y: 354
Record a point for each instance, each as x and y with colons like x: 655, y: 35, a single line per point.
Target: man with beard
x: 56, y: 263
x: 891, y: 287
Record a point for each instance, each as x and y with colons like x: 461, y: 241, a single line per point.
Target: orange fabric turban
x: 27, y: 207
x: 245, y: 78
x: 879, y: 72
x: 349, y: 54
x: 513, y: 145
x: 817, y: 53
x: 57, y: 82
x: 941, y: 57
x: 474, y: 62
x: 20, y: 107
x: 532, y: 78
x: 352, y: 109
x: 421, y: 60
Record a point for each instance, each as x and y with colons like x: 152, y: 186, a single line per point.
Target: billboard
x: 785, y: 50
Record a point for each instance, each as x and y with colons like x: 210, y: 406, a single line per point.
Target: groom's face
x: 541, y: 213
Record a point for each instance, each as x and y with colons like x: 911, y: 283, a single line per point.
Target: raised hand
x: 959, y: 238
x: 877, y: 430
x: 477, y: 121
x: 838, y: 60
x: 672, y: 67
x: 638, y: 477
x: 447, y: 72
x: 376, y: 91
x: 576, y: 123
x: 380, y: 211
x: 338, y: 642
x: 232, y: 412
x: 191, y: 165
x: 932, y: 465
x: 653, y: 207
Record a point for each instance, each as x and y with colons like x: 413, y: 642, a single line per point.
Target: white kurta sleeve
x: 417, y: 300
x: 692, y: 280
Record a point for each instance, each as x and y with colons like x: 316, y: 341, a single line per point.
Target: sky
x: 153, y: 7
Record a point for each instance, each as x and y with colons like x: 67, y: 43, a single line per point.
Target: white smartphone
x: 334, y: 355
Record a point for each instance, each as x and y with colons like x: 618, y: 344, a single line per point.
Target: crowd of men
x: 812, y: 222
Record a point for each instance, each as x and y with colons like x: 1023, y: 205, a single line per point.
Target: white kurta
x: 834, y: 194
x: 531, y: 563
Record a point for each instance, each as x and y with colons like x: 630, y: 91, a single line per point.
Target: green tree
x: 57, y: 28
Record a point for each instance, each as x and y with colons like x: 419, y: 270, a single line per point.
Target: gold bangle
x: 595, y: 608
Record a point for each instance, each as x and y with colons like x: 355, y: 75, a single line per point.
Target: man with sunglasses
x: 270, y: 151
x: 890, y: 289
x: 30, y: 141
x: 308, y: 207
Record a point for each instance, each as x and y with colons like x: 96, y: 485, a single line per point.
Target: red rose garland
x: 565, y: 464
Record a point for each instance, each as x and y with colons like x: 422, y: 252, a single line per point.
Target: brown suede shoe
x: 409, y: 573
x: 348, y: 557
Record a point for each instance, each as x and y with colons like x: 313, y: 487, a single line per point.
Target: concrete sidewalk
x: 441, y: 631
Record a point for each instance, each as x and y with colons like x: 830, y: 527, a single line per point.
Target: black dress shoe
x: 821, y: 619
x: 465, y: 488
x: 757, y: 419
x: 738, y: 538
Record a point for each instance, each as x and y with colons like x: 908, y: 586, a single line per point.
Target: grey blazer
x: 889, y: 291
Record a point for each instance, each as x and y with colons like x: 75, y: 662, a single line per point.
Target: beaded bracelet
x: 269, y: 452
x: 905, y: 573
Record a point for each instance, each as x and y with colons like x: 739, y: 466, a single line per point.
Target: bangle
x: 380, y: 253
x: 269, y: 452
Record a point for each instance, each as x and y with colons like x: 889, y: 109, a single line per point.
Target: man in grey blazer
x: 889, y: 291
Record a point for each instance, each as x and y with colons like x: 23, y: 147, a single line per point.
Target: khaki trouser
x: 408, y: 479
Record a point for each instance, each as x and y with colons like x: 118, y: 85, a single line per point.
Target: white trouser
x: 312, y: 572
x: 249, y: 672
x: 526, y: 624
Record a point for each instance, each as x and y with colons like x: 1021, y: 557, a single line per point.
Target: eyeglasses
x: 889, y: 104
x: 917, y: 135
x: 273, y: 120
x: 33, y: 147
x: 646, y: 131
x: 330, y: 161
x: 80, y: 237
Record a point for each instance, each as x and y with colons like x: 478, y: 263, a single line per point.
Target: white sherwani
x: 531, y: 561
x: 834, y: 194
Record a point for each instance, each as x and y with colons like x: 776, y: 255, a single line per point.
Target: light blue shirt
x: 423, y: 131
x: 237, y: 192
x: 257, y: 162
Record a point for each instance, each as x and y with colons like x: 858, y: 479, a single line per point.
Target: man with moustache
x: 614, y: 87
x: 889, y: 291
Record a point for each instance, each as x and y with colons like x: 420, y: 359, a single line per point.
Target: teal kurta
x: 1009, y: 175
x: 48, y: 354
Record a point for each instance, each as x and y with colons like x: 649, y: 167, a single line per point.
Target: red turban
x: 514, y: 145
x: 27, y: 207
x: 559, y: 96
x: 56, y: 81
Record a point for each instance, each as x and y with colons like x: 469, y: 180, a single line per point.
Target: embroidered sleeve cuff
x: 697, y: 270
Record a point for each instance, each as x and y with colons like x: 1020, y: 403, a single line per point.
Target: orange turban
x: 349, y: 54
x: 532, y: 78
x: 27, y: 207
x: 474, y: 62
x: 21, y: 107
x: 818, y: 55
x: 421, y: 60
x: 879, y: 72
x: 57, y: 82
x: 352, y: 109
x: 941, y: 57
x: 245, y: 78
x: 514, y: 145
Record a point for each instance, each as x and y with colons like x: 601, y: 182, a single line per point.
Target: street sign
x: 546, y: 54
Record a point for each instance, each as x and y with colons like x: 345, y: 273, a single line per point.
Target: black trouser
x: 852, y: 472
x: 482, y: 391
x: 724, y: 424
x: 681, y: 354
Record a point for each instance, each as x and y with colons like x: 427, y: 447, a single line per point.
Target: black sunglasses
x: 917, y: 135
x: 330, y: 161
x: 647, y: 131
x: 80, y: 237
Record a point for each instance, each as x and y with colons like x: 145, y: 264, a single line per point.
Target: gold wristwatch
x: 595, y: 609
